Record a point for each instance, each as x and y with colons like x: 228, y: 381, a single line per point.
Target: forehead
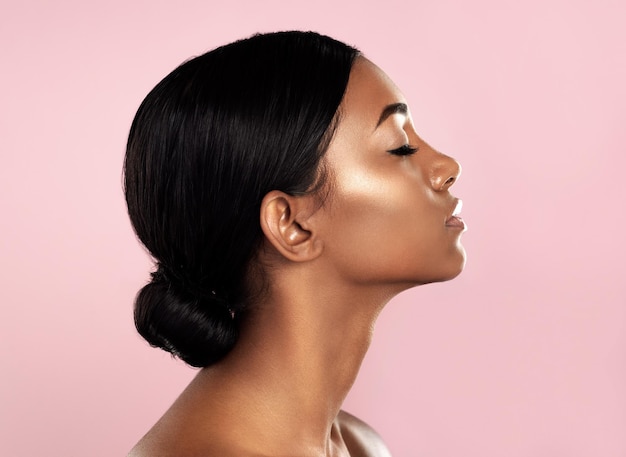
x: 368, y: 92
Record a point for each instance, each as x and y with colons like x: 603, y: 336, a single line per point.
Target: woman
x: 281, y: 187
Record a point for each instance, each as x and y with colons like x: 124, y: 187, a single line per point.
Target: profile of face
x: 390, y: 217
x: 254, y: 142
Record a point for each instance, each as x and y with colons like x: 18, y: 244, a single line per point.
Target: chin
x: 448, y: 267
x: 452, y: 269
x: 458, y: 266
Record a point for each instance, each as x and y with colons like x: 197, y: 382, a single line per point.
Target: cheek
x: 391, y: 228
x: 384, y: 225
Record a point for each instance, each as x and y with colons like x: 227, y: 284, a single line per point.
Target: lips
x: 455, y: 220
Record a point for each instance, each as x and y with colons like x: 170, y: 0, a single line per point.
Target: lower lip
x: 456, y: 222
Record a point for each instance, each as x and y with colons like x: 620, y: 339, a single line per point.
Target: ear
x: 287, y: 225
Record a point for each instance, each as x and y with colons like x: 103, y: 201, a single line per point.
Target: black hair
x: 206, y: 145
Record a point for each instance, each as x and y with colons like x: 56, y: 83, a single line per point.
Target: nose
x: 444, y: 172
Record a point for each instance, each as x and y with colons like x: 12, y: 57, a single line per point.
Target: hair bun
x: 200, y: 331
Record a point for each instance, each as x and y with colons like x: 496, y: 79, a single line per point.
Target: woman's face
x: 389, y: 215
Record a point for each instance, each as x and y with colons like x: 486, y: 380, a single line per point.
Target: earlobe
x: 285, y: 224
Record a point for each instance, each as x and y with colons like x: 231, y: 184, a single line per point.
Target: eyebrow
x: 389, y: 110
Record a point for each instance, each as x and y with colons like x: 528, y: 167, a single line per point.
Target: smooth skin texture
x: 326, y: 269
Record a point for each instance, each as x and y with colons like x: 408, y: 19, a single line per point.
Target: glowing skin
x: 324, y: 273
x: 388, y: 213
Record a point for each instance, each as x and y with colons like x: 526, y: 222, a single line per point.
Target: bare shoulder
x: 154, y: 444
x: 361, y: 439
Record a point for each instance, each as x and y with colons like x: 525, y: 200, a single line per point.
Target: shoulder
x: 361, y: 439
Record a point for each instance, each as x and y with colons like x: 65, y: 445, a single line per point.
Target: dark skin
x: 329, y: 270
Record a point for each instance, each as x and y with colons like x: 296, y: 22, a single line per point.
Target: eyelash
x: 404, y: 150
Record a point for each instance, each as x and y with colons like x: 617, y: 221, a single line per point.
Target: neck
x: 297, y: 357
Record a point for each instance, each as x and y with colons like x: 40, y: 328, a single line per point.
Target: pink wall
x: 523, y: 355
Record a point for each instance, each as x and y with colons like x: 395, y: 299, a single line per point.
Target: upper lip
x: 458, y: 205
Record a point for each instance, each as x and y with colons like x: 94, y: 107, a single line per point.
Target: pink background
x: 523, y: 355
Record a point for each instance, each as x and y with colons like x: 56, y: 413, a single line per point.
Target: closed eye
x: 404, y: 150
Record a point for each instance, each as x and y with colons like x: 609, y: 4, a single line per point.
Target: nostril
x: 444, y: 173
